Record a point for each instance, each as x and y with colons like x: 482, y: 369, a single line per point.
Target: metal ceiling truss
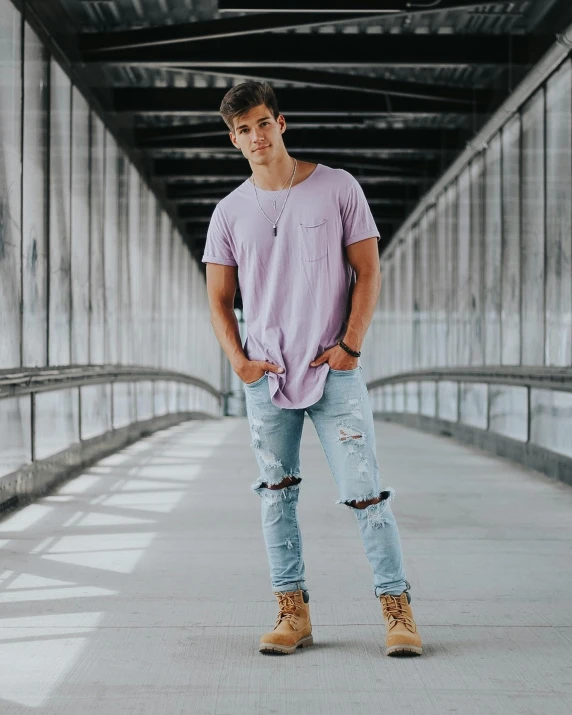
x: 238, y: 166
x: 387, y: 141
x: 323, y: 50
x: 168, y: 136
x: 355, y: 6
x: 96, y: 43
x: 321, y: 102
x: 353, y: 83
x: 295, y: 15
x: 180, y: 193
x: 395, y: 133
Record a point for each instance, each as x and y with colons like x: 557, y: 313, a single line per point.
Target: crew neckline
x: 277, y: 191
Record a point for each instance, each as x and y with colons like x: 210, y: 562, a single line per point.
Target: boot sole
x: 404, y: 651
x: 275, y: 649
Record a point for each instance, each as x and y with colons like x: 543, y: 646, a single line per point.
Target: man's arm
x: 222, y: 282
x: 364, y: 259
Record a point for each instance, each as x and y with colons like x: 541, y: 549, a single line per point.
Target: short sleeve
x: 219, y: 245
x: 357, y: 220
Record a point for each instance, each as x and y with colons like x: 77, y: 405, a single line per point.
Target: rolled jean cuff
x: 394, y: 589
x: 292, y: 586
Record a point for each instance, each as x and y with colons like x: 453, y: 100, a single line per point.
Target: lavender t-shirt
x: 296, y: 285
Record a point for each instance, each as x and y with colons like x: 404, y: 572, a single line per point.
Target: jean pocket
x: 313, y: 240
x: 345, y: 372
x: 256, y: 382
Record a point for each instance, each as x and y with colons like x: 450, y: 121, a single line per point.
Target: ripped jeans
x: 344, y: 422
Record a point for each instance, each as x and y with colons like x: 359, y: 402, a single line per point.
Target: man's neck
x: 273, y: 176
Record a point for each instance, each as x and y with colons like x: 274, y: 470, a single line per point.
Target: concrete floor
x: 141, y: 587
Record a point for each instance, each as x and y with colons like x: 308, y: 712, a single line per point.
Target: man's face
x: 258, y: 135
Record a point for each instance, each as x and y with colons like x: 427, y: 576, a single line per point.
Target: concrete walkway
x: 141, y: 587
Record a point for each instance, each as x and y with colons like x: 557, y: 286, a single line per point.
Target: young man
x: 300, y: 240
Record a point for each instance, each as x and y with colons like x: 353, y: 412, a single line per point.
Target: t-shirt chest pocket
x: 313, y: 237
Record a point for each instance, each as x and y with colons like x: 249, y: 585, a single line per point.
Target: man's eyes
x: 262, y: 125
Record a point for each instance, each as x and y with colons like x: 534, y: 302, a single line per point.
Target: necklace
x: 278, y: 196
x: 275, y: 222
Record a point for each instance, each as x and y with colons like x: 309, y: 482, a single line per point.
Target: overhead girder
x: 335, y: 140
x: 382, y: 194
x: 145, y: 137
x: 203, y: 101
x: 289, y: 17
x: 354, y: 83
x: 93, y: 43
x: 181, y: 191
x: 361, y: 6
x: 159, y: 132
x: 239, y: 178
x: 178, y: 193
x: 323, y: 50
x: 170, y: 173
x: 217, y: 169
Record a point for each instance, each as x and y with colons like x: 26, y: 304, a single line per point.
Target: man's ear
x: 232, y: 136
x: 282, y: 122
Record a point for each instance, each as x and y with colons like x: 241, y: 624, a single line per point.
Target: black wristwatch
x: 353, y: 353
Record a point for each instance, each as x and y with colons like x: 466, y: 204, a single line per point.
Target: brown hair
x: 240, y: 99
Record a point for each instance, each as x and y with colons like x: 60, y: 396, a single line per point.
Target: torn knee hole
x: 348, y: 434
x: 286, y: 482
x: 364, y: 504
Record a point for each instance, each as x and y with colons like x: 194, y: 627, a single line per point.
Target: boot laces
x: 287, y: 607
x: 396, y: 612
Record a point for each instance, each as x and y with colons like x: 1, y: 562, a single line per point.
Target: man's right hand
x: 253, y: 370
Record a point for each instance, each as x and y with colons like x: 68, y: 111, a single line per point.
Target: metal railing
x: 29, y: 471
x: 543, y: 378
x: 29, y: 380
x: 532, y: 442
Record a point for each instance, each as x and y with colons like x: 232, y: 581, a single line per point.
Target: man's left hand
x: 337, y: 359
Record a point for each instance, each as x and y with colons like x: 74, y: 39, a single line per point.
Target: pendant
x: 275, y: 230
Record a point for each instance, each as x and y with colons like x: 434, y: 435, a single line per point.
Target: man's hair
x: 245, y: 96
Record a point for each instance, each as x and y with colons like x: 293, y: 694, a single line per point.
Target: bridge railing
x: 55, y: 421
x: 523, y: 413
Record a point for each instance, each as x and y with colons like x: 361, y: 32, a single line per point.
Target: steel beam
x: 93, y: 44
x: 353, y: 83
x: 323, y: 50
x: 158, y: 132
x: 381, y: 193
x: 145, y: 136
x: 355, y: 6
x: 193, y: 216
x: 194, y: 101
x: 364, y: 179
x: 218, y: 169
x: 181, y: 172
x: 334, y: 140
x: 180, y: 193
x: 161, y: 137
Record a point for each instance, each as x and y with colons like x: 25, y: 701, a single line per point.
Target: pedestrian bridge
x: 133, y: 577
x: 141, y: 586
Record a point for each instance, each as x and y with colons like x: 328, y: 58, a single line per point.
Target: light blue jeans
x: 344, y: 422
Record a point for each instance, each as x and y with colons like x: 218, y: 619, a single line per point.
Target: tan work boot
x: 293, y: 628
x: 402, y: 636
